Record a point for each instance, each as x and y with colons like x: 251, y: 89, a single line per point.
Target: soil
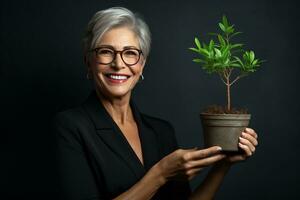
x: 216, y: 109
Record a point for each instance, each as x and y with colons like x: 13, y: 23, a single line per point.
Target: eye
x: 105, y: 52
x: 131, y: 53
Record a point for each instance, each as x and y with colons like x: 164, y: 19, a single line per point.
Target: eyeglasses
x: 106, y: 55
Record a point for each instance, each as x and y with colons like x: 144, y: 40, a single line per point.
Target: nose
x: 118, y: 62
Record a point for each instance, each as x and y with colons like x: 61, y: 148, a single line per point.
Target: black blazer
x: 95, y: 159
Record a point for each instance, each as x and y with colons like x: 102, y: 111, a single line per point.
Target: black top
x: 97, y: 162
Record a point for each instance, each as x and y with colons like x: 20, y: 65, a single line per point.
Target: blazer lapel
x: 149, y: 141
x: 111, y: 135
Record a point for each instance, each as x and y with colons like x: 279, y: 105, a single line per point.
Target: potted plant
x: 223, y: 125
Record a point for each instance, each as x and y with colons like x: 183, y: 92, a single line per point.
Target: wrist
x: 157, y: 174
x: 223, y: 165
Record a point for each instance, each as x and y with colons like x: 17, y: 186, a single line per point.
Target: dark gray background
x: 42, y: 72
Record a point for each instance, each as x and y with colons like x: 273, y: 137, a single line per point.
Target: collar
x: 103, y: 122
x: 96, y: 111
x: 99, y: 115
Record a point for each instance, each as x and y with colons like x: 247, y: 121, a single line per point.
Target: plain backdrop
x: 42, y: 72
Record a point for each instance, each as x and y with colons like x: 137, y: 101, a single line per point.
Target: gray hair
x: 105, y: 20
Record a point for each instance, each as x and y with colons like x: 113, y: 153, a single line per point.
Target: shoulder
x: 70, y: 126
x: 69, y: 118
x: 70, y: 114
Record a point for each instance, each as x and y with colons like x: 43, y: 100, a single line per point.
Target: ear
x: 143, y: 64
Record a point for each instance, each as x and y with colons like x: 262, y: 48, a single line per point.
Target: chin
x: 115, y: 89
x: 118, y: 94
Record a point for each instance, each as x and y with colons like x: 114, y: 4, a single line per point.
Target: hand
x: 185, y: 164
x: 247, y: 142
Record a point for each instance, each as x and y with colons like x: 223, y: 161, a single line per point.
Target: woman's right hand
x: 184, y: 164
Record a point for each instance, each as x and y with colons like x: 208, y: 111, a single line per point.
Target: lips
x: 117, y: 78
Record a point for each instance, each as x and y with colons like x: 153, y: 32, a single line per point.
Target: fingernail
x: 219, y: 148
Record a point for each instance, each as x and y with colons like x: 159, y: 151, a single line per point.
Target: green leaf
x: 211, y: 45
x: 246, y: 56
x: 204, y: 52
x: 226, y: 50
x: 217, y: 65
x: 230, y: 29
x: 221, y: 40
x: 194, y: 49
x: 251, y: 56
x: 218, y: 52
x: 225, y: 21
x: 254, y: 62
x: 236, y: 46
x: 211, y: 54
x: 235, y: 65
x: 222, y: 27
x: 197, y: 42
x: 234, y: 34
x: 239, y: 61
x: 198, y: 60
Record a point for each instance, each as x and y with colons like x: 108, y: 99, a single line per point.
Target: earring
x: 142, y: 77
x: 88, y: 76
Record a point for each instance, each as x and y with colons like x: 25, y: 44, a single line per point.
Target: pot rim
x: 223, y: 114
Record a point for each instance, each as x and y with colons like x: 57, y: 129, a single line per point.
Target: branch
x: 229, y: 74
x: 222, y: 78
x: 237, y: 78
x: 225, y: 73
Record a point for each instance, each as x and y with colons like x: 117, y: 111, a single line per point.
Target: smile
x: 117, y: 78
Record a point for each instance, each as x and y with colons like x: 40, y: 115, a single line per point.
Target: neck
x: 118, y: 108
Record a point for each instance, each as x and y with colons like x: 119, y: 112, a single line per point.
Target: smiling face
x: 117, y: 79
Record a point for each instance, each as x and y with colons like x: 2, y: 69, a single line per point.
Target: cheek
x: 97, y: 69
x: 138, y: 69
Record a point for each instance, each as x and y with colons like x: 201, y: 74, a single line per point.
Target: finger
x: 204, y: 153
x: 237, y: 158
x: 193, y: 171
x: 184, y: 153
x: 248, y: 143
x: 204, y: 162
x: 251, y: 132
x: 188, y: 150
x: 249, y: 137
x: 246, y: 149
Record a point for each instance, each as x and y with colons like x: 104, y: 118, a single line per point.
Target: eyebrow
x: 125, y: 47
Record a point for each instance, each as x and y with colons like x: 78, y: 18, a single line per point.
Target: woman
x: 107, y: 148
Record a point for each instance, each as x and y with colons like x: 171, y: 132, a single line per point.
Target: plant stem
x: 228, y: 94
x: 221, y: 77
x: 237, y: 78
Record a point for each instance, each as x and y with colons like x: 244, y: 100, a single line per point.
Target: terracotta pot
x: 223, y: 129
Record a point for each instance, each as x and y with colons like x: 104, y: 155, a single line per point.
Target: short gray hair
x: 105, y: 20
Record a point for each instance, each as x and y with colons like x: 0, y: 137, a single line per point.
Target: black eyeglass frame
x: 115, y: 54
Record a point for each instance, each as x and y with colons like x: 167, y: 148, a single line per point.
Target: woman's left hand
x: 247, y: 142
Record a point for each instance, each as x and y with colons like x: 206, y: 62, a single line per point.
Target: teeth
x: 118, y: 77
